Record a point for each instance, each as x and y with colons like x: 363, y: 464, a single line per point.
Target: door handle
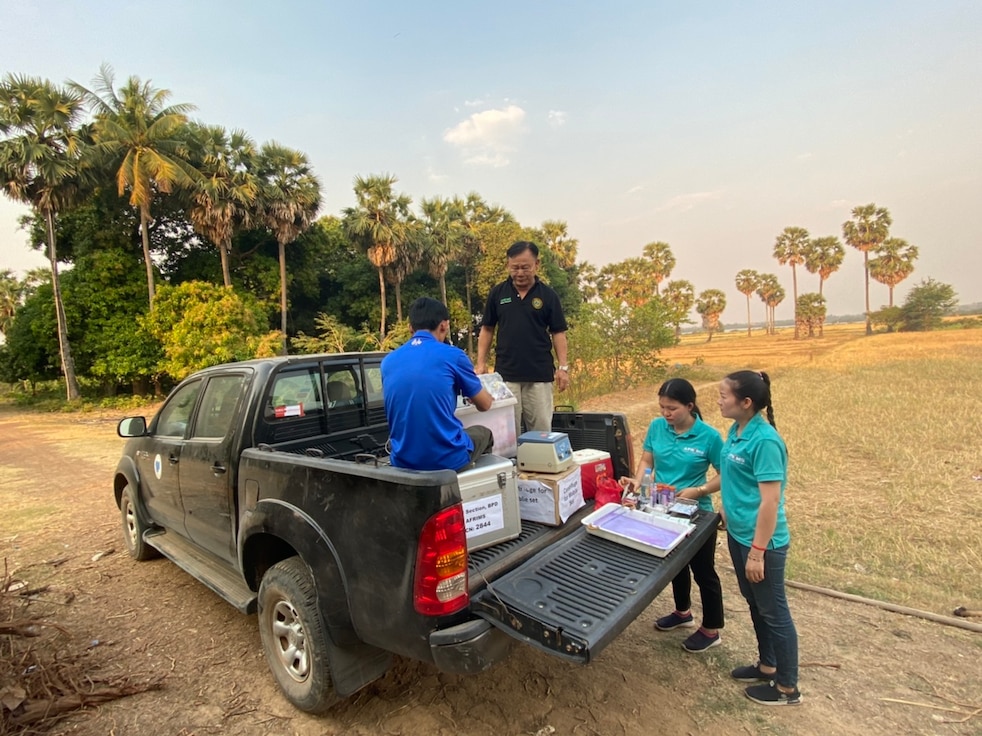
x: 173, y: 459
x: 217, y: 468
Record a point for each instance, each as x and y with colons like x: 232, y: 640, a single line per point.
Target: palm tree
x: 556, y: 238
x: 662, y: 261
x: 39, y: 165
x: 866, y: 231
x: 443, y: 232
x: 679, y: 296
x: 224, y: 198
x: 378, y: 223
x: 289, y: 197
x: 767, y: 287
x: 10, y: 296
x: 789, y: 249
x: 408, y: 258
x: 710, y: 305
x: 824, y: 256
x: 894, y: 261
x: 136, y: 133
x: 774, y: 298
x: 746, y: 284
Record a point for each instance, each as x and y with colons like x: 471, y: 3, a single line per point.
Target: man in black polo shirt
x: 530, y: 324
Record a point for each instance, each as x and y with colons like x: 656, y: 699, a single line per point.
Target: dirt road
x: 151, y: 619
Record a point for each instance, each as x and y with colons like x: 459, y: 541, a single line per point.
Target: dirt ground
x: 151, y: 619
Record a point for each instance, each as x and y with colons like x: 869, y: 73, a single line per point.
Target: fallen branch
x: 40, y: 710
x: 932, y: 706
x: 946, y: 620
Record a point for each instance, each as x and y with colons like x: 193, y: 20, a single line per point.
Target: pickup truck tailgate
x: 573, y: 598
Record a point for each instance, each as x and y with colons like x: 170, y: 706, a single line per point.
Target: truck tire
x: 133, y: 527
x: 294, y: 637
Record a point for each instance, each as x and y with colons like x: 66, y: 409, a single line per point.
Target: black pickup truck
x: 266, y: 480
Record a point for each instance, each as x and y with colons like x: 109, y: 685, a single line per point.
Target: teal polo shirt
x: 682, y: 460
x: 759, y: 454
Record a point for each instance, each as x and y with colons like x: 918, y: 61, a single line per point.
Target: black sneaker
x: 750, y: 673
x: 701, y: 641
x: 769, y: 695
x: 674, y: 621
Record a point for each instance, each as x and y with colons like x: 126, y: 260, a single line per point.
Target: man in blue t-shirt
x: 420, y: 384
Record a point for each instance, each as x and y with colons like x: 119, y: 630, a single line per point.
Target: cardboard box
x: 550, y: 498
x: 489, y: 494
x: 500, y: 419
x: 594, y: 465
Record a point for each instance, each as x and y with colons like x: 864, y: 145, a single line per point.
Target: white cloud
x: 557, y: 118
x: 635, y: 189
x: 685, y: 202
x: 486, y: 137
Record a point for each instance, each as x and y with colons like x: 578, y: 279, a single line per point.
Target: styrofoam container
x: 654, y: 534
x: 594, y: 465
x: 500, y: 419
x: 489, y: 494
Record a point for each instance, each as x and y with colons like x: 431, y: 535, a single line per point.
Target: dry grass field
x: 885, y: 441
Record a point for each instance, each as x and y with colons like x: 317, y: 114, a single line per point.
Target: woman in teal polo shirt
x: 681, y: 447
x: 754, y: 473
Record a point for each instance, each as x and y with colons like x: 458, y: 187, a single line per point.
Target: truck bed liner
x: 573, y: 598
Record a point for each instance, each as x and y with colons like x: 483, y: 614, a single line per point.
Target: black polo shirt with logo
x: 523, y: 353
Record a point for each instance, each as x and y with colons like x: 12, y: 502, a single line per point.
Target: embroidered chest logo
x: 536, y: 303
x: 505, y: 300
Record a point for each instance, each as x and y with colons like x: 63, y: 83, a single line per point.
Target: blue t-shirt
x: 681, y: 460
x: 420, y: 384
x: 759, y: 454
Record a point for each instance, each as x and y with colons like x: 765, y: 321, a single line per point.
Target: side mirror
x: 132, y: 427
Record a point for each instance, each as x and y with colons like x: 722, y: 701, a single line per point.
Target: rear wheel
x: 293, y: 635
x: 133, y: 527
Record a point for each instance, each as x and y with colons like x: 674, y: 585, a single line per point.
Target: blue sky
x: 709, y: 126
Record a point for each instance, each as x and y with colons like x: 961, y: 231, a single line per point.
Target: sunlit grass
x: 885, y: 436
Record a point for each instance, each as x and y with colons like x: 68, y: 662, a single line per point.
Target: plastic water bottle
x: 645, y: 490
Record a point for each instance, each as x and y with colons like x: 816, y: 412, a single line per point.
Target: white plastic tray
x: 654, y: 534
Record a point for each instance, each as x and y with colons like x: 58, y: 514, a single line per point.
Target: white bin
x: 500, y: 419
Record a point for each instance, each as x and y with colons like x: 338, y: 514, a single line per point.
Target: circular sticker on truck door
x: 158, y: 466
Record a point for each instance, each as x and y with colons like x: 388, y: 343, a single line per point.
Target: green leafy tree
x: 200, y: 324
x: 30, y: 350
x: 811, y: 313
x: 927, y: 304
x: 332, y: 337
x: 39, y: 166
x: 142, y: 139
x: 789, y: 249
x: 746, y: 283
x: 679, y: 298
x: 556, y: 238
x: 866, y: 231
x: 225, y: 197
x: 893, y: 262
x: 824, y: 256
x: 662, y: 262
x: 378, y: 223
x: 289, y: 197
x: 710, y: 304
x: 618, y: 345
x: 891, y: 318
x: 628, y: 280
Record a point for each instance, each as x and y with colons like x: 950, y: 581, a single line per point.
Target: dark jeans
x: 703, y: 566
x: 777, y: 639
x: 483, y: 443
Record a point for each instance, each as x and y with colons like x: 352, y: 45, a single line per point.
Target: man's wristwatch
x: 563, y: 368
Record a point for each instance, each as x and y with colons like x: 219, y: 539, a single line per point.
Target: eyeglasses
x: 522, y: 268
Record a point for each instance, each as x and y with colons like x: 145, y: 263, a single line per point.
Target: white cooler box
x: 490, y: 498
x: 500, y: 419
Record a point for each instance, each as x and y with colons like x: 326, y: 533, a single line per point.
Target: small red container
x: 594, y: 465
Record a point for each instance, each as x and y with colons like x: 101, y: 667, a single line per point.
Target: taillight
x: 440, y: 586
